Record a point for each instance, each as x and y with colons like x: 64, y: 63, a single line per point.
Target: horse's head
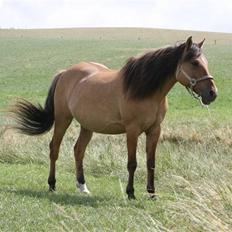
x: 192, y: 72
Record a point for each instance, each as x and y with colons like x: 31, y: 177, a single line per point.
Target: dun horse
x: 131, y: 101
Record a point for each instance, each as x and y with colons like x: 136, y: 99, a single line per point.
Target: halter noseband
x: 192, y: 82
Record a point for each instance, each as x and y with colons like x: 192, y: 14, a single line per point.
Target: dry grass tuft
x: 205, y: 206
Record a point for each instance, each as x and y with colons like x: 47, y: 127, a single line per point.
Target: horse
x: 132, y: 100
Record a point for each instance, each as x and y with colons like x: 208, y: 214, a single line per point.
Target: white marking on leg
x: 83, y: 188
x: 152, y: 196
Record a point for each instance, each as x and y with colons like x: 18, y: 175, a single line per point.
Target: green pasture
x: 194, y: 157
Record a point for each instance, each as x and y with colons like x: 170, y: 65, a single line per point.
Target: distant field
x: 194, y: 158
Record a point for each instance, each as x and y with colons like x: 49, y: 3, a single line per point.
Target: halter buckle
x: 193, y: 82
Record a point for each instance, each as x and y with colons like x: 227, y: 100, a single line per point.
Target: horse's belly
x: 102, y: 126
x: 98, y: 116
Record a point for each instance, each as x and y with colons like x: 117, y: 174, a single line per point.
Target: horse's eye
x: 195, y: 62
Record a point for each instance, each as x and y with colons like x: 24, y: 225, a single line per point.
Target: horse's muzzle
x: 209, y: 97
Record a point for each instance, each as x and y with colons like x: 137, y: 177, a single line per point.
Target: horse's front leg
x: 152, y: 137
x: 132, y: 138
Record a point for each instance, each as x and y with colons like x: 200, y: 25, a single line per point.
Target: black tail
x: 34, y: 119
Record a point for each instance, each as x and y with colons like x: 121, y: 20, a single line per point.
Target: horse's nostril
x: 213, y: 94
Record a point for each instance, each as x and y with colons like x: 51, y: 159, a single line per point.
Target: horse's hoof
x: 131, y: 197
x: 52, y: 188
x: 52, y: 184
x: 83, y: 188
x: 152, y: 196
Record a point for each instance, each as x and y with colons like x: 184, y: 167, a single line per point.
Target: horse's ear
x: 188, y: 43
x: 201, y: 43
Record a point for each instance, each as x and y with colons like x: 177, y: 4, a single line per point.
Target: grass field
x: 194, y: 158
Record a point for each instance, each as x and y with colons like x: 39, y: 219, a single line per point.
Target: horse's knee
x: 150, y: 164
x: 53, y: 155
x: 131, y: 166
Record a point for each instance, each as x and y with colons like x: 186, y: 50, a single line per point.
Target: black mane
x: 144, y: 75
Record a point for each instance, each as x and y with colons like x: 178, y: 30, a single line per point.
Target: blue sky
x: 203, y: 15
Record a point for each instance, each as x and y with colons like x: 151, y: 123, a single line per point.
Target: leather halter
x: 192, y: 82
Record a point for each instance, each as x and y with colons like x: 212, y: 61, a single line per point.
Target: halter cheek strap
x: 192, y: 82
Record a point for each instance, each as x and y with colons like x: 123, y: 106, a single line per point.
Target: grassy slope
x: 194, y: 156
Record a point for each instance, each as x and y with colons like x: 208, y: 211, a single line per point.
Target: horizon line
x: 113, y: 27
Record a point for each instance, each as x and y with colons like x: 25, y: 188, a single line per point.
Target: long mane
x: 146, y: 74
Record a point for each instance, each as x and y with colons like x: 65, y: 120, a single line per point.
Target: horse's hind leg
x: 60, y: 127
x: 79, y: 151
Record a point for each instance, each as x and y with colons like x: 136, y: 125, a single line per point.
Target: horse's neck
x: 159, y: 95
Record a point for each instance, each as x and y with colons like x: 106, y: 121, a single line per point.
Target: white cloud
x: 209, y: 15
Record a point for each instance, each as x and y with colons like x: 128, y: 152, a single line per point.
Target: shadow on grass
x: 76, y: 199
x: 63, y: 198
